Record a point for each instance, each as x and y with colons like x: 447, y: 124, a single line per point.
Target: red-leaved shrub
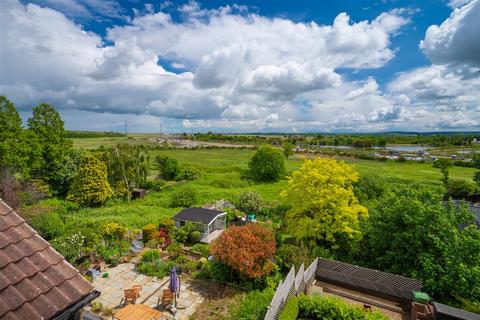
x: 247, y: 249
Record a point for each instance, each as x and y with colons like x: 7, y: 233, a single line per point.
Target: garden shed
x: 213, y: 222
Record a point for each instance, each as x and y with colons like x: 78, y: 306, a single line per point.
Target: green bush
x: 321, y: 307
x: 267, y: 164
x: 290, y: 312
x: 156, y: 268
x: 174, y: 250
x: 195, y: 237
x: 189, y: 174
x: 150, y: 255
x: 168, y: 167
x: 254, y: 305
x: 460, y: 188
x: 202, y: 248
x: 148, y: 232
x: 251, y: 202
x: 49, y: 225
x: 183, y: 198
x: 155, y: 185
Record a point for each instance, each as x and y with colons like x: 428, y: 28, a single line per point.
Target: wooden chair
x: 167, y: 299
x: 137, y: 289
x: 130, y: 296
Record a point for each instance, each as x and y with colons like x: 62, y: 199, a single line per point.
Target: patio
x: 125, y: 276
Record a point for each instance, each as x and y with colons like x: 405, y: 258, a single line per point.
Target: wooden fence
x: 293, y: 285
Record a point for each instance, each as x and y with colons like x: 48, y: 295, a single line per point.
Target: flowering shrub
x: 71, y: 247
x: 247, y: 249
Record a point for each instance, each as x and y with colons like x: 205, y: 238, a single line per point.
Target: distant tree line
x: 92, y: 134
x: 351, y: 140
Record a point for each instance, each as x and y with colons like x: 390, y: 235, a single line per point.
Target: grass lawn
x: 220, y: 178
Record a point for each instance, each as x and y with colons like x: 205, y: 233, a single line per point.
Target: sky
x: 245, y: 66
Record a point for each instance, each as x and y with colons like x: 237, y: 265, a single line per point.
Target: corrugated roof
x: 443, y: 311
x: 198, y: 215
x: 366, y: 279
x: 36, y: 282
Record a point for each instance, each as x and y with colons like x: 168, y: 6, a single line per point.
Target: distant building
x: 36, y: 282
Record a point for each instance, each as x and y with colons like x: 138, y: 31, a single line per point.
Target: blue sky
x: 245, y: 66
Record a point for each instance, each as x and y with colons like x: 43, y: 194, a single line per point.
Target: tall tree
x: 19, y: 149
x: 412, y: 232
x: 90, y: 186
x: 48, y: 126
x: 127, y: 168
x: 324, y: 208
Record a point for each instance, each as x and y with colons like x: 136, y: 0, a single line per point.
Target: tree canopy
x: 267, y: 164
x: 90, y: 186
x: 127, y: 168
x: 412, y: 232
x: 323, y: 206
x: 48, y: 127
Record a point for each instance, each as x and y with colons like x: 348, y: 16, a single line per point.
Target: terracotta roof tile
x: 35, y: 281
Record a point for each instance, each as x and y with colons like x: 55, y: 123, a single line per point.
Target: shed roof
x: 36, y: 282
x: 446, y: 312
x: 364, y: 279
x: 197, y: 215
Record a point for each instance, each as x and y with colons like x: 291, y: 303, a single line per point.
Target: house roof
x: 448, y: 312
x: 198, y: 215
x: 369, y: 280
x: 36, y: 282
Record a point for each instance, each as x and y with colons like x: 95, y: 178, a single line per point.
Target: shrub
x: 201, y: 248
x: 460, y: 188
x: 289, y: 255
x: 49, y: 225
x: 168, y: 167
x: 113, y: 231
x: 155, y: 185
x: 71, y: 247
x: 195, y: 237
x: 174, y: 250
x: 247, y: 249
x: 320, y: 307
x: 267, y: 164
x: 183, y: 198
x: 150, y: 255
x: 254, y: 305
x: 290, y: 312
x: 189, y: 174
x: 250, y: 202
x: 167, y: 223
x: 90, y: 186
x: 148, y: 232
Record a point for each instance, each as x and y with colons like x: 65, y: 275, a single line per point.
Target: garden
x: 387, y: 215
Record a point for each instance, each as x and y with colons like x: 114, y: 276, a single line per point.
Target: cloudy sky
x: 245, y: 66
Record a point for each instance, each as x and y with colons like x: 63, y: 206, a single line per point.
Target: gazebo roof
x: 198, y: 215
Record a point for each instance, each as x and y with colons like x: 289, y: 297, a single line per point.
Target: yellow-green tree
x: 90, y: 186
x: 324, y: 208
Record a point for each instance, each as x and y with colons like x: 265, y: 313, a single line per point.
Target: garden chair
x: 137, y: 288
x: 130, y: 296
x: 167, y: 299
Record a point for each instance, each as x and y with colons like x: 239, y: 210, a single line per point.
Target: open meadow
x: 220, y: 178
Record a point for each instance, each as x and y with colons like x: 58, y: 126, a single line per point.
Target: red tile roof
x: 36, y: 282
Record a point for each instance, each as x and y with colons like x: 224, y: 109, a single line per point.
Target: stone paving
x: 124, y: 276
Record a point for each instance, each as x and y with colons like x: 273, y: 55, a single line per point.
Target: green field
x: 221, y: 178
